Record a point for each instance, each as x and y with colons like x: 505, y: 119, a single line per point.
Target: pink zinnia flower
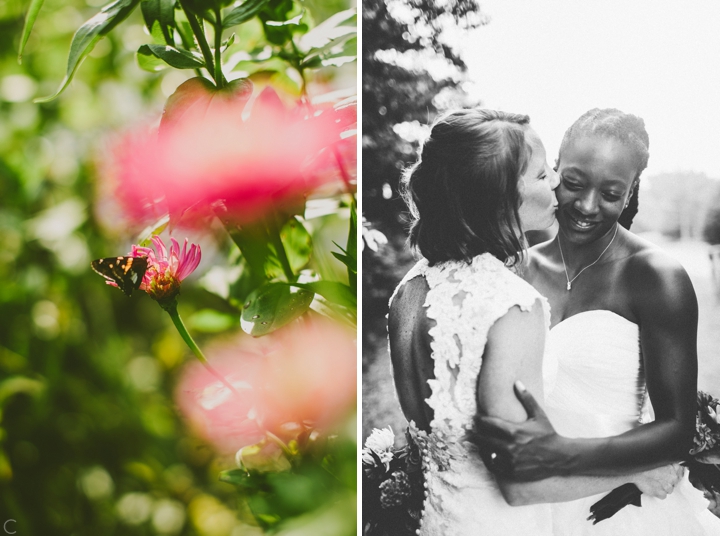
x: 166, y: 269
x: 303, y: 376
x: 249, y: 157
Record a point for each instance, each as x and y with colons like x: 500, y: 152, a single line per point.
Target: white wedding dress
x: 465, y: 300
x: 595, y: 387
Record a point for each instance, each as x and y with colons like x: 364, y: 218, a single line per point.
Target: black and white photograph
x: 540, y: 268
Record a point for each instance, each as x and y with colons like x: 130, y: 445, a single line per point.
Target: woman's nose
x: 586, y: 204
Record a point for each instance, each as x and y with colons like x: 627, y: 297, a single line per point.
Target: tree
x: 410, y: 73
x: 402, y: 41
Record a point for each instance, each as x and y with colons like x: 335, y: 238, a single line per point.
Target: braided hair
x: 626, y: 128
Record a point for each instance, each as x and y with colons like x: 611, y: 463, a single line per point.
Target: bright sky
x: 556, y: 59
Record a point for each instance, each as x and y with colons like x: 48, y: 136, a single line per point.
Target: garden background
x: 91, y: 439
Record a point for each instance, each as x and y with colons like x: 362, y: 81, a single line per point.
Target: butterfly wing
x: 126, y: 272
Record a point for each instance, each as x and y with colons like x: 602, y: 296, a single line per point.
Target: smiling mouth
x: 581, y: 223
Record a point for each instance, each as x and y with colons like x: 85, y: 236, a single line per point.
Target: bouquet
x: 703, y: 462
x: 393, y: 483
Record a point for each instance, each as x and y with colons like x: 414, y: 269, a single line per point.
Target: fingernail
x: 520, y: 386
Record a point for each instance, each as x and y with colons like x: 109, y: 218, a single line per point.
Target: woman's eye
x: 571, y: 185
x: 611, y: 197
x: 542, y: 177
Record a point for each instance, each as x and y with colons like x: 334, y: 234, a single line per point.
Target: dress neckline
x: 612, y: 314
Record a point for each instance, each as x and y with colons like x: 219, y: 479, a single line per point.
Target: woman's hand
x: 526, y: 451
x: 659, y: 482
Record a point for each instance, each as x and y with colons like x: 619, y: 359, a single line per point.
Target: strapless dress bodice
x: 593, y: 369
x: 595, y: 387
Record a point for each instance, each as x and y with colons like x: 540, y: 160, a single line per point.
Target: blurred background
x: 90, y: 439
x: 552, y: 60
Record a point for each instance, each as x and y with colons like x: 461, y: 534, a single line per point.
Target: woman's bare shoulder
x: 657, y: 279
x: 407, y: 311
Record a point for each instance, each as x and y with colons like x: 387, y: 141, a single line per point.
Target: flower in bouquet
x: 396, y: 490
x: 251, y: 156
x: 300, y: 378
x: 380, y: 442
x: 393, y: 480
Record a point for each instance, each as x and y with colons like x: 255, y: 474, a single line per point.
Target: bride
x: 624, y: 325
x: 482, y: 179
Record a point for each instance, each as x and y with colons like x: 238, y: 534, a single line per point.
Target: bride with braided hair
x: 621, y: 362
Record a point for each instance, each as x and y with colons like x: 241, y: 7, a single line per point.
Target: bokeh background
x: 551, y: 60
x: 91, y: 442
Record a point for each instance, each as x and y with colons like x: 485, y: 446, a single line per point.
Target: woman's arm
x: 514, y: 351
x: 665, y: 305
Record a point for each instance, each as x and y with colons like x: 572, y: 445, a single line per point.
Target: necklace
x: 570, y: 281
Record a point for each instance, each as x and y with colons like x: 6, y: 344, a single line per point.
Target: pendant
x: 569, y: 287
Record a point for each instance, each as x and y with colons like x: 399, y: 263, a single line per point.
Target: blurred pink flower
x: 166, y: 270
x: 227, y: 421
x: 305, y: 375
x: 250, y: 157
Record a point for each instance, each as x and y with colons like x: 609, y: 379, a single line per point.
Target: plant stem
x: 274, y: 234
x: 202, y: 42
x: 299, y: 69
x: 219, y: 77
x: 343, y: 172
x: 180, y: 326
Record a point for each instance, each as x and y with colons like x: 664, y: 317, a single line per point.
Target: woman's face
x: 538, y: 202
x: 597, y: 175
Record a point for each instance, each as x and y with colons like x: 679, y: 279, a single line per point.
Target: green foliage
x: 90, y: 440
x: 317, y: 479
x: 243, y: 13
x: 89, y: 34
x: 393, y: 94
x: 160, y: 14
x: 273, y: 306
x: 178, y: 58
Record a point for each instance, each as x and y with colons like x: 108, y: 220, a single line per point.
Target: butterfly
x: 126, y: 272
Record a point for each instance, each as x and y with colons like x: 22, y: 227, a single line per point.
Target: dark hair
x: 628, y: 129
x: 463, y: 191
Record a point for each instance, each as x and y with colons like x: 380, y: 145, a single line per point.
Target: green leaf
x: 32, y: 14
x: 272, y: 306
x: 143, y: 239
x: 243, y: 13
x: 252, y: 66
x: 228, y: 43
x: 150, y: 63
x: 295, y: 21
x: 351, y: 249
x: 280, y: 20
x: 333, y: 291
x: 162, y: 14
x: 242, y: 479
x: 253, y: 242
x: 297, y: 243
x: 334, y: 48
x: 174, y: 57
x: 90, y: 33
x: 186, y: 35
